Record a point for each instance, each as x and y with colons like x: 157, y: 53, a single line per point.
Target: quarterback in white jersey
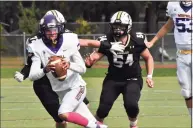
x: 72, y: 90
x: 180, y: 17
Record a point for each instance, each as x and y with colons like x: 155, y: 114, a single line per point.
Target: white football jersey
x: 68, y: 47
x: 182, y: 23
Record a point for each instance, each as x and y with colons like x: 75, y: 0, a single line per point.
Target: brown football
x: 59, y: 72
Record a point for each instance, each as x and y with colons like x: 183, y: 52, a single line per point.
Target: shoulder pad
x: 139, y: 37
x: 102, y: 38
x: 31, y: 39
x: 67, y: 31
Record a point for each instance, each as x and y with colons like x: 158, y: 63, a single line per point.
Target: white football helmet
x: 57, y: 14
x: 121, y: 23
x: 187, y: 3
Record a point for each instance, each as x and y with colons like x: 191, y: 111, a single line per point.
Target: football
x: 59, y: 72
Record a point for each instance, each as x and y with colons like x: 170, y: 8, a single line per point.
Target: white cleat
x: 102, y: 126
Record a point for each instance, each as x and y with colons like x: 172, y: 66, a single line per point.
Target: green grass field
x: 160, y: 107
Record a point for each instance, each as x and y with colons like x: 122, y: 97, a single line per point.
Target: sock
x: 133, y: 123
x: 190, y: 111
x: 77, y: 119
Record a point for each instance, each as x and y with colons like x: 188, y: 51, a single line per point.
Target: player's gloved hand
x: 116, y: 47
x: 18, y: 76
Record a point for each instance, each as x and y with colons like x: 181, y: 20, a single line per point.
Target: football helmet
x: 60, y: 18
x: 120, y: 23
x: 50, y: 28
x: 57, y: 14
x: 186, y: 3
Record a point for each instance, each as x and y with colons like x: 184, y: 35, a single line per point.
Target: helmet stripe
x: 56, y: 13
x: 119, y: 15
x: 52, y: 12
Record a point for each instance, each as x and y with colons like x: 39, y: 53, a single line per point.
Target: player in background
x: 72, y: 90
x: 180, y: 17
x: 124, y: 71
x: 42, y: 87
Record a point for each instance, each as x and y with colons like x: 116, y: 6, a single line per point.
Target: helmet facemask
x: 52, y: 34
x: 119, y: 29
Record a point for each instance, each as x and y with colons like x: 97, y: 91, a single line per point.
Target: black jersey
x: 125, y: 64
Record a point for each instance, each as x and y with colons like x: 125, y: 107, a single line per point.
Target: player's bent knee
x: 186, y: 93
x: 61, y: 124
x: 63, y: 116
x: 132, y: 109
x: 103, y: 111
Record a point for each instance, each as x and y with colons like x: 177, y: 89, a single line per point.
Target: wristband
x: 149, y: 76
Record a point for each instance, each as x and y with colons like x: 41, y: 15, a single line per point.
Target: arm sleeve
x: 105, y: 45
x: 36, y: 72
x: 77, y: 63
x: 25, y: 71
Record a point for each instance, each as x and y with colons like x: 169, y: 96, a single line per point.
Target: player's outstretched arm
x: 89, y: 43
x: 161, y: 33
x: 149, y: 62
x: 24, y: 73
x: 113, y: 46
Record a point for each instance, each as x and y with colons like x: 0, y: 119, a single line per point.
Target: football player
x: 42, y: 87
x: 124, y: 71
x: 72, y: 90
x: 180, y: 17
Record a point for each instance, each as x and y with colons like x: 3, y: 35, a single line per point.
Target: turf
x: 160, y: 107
x: 95, y: 72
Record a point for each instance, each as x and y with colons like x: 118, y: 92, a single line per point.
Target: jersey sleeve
x: 36, y: 72
x: 105, y: 45
x: 169, y: 9
x: 77, y: 63
x: 141, y: 39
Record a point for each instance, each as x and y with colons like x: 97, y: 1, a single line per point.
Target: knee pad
x: 103, y: 110
x: 190, y: 98
x: 132, y: 109
x: 186, y: 93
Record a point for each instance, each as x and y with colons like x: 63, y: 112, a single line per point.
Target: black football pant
x: 48, y: 97
x: 131, y: 91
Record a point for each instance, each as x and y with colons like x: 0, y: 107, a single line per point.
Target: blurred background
x: 19, y: 20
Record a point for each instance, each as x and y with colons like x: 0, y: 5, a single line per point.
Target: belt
x: 185, y: 51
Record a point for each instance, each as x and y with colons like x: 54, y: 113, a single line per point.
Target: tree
x: 28, y: 21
